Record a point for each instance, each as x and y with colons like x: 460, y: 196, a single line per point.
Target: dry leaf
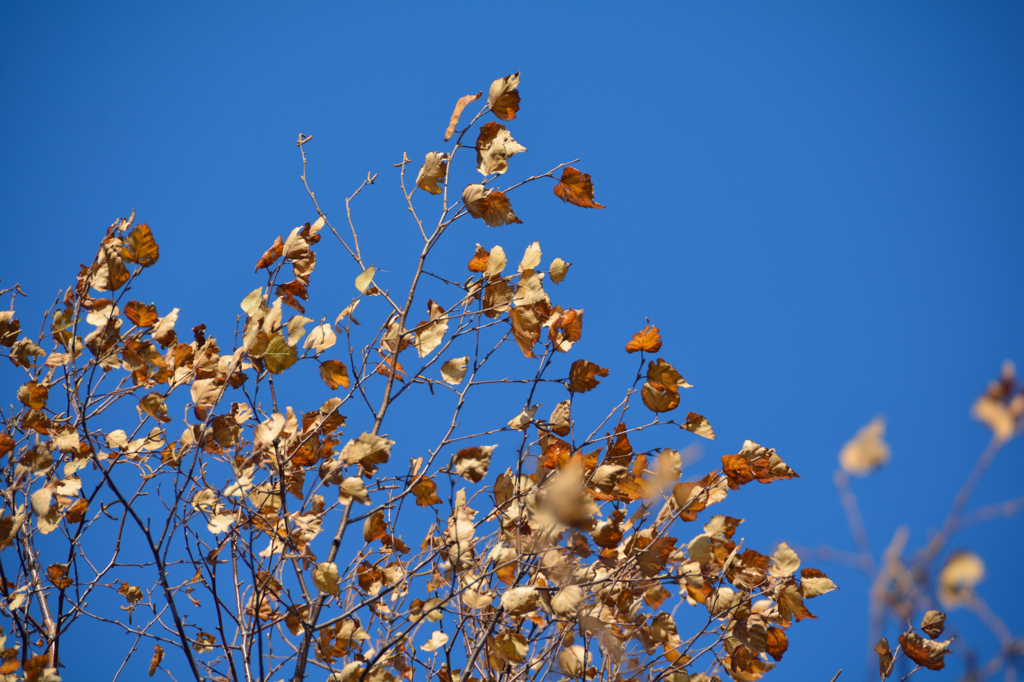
x: 576, y: 188
x: 503, y: 97
x: 325, y: 577
x: 558, y: 269
x: 647, y: 340
x: 927, y: 653
x: 434, y: 170
x: 459, y: 106
x: 867, y: 451
x: 494, y: 146
x: 437, y: 640
x: 490, y: 205
x: 583, y: 376
x: 454, y: 371
x: 697, y: 424
x: 959, y: 576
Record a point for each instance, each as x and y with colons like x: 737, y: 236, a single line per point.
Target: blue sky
x: 820, y: 205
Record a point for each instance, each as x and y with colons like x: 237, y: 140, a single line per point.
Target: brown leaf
x: 472, y: 463
x: 271, y: 255
x: 494, y: 146
x: 658, y: 399
x: 503, y: 97
x: 374, y: 527
x: 884, y: 658
x: 58, y: 575
x: 583, y: 376
x: 490, y: 205
x: 334, y: 373
x: 154, y: 405
x: 791, y: 604
x: 434, y: 170
x: 755, y: 463
x: 697, y: 424
x: 777, y: 643
x: 426, y: 493
x: 141, y: 314
x: 813, y: 583
x: 576, y: 188
x: 140, y: 247
x: 924, y: 652
x: 647, y: 340
x: 459, y: 106
x: 933, y: 623
x: 33, y: 395
x: 77, y: 511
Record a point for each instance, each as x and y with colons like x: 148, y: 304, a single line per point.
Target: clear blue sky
x: 820, y: 205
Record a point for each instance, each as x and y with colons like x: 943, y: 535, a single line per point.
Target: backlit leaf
x: 576, y: 188
x: 335, y: 374
x: 558, y: 269
x: 271, y: 255
x: 364, y: 280
x: 697, y: 424
x: 647, y: 340
x: 140, y: 247
x: 280, y: 355
x: 140, y: 314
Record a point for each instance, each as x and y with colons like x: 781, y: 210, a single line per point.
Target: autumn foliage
x: 260, y: 540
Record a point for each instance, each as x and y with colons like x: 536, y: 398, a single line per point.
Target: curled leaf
x: 459, y: 106
x: 503, y: 97
x: 434, y: 170
x: 490, y: 205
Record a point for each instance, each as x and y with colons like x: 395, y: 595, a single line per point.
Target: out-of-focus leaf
x: 867, y: 451
x: 576, y: 188
x: 459, y: 106
x: 154, y: 662
x: 959, y: 576
x: 885, y: 658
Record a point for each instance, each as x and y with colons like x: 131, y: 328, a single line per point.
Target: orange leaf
x: 140, y: 314
x: 140, y: 247
x: 576, y: 188
x: 459, y: 106
x: 426, y: 493
x: 647, y: 340
x: 334, y: 373
x: 478, y: 263
x: 271, y: 255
